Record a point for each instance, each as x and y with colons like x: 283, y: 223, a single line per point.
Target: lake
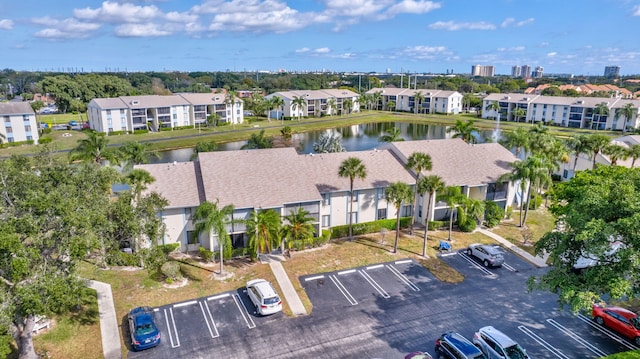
x: 354, y: 138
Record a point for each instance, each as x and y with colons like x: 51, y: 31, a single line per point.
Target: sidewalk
x: 535, y: 260
x: 290, y: 294
x: 108, y: 321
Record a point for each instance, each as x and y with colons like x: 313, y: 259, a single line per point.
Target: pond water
x: 354, y: 138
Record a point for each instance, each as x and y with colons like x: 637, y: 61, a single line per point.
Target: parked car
x: 143, y: 329
x: 418, y: 355
x: 618, y: 319
x: 264, y: 297
x: 490, y: 256
x: 497, y: 345
x: 454, y: 346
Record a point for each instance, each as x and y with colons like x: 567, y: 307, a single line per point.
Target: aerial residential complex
x: 154, y: 112
x: 597, y: 113
x: 18, y: 122
x: 433, y: 101
x: 283, y: 180
x: 316, y: 103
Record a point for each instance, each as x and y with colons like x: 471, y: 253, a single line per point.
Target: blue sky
x: 563, y: 36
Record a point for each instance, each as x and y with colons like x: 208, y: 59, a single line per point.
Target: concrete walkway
x: 108, y: 321
x: 290, y: 294
x: 535, y: 260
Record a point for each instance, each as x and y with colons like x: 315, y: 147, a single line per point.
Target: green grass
x: 539, y: 222
x: 625, y: 355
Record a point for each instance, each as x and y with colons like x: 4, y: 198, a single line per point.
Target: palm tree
x: 634, y: 152
x: 332, y: 105
x: 519, y: 173
x: 210, y: 218
x: 540, y: 140
x: 578, y: 144
x: 418, y: 97
x: 418, y: 162
x: 364, y: 100
x: 299, y: 228
x: 203, y: 146
x: 390, y: 105
x: 268, y: 104
x: 277, y: 103
x: 518, y: 113
x: 329, y: 142
x: 212, y: 120
x: 94, y: 149
x: 136, y: 153
x: 430, y: 184
x: 397, y: 194
x: 538, y: 169
x: 352, y: 168
x: 464, y: 130
x: 615, y: 152
x: 393, y: 134
x: 263, y: 229
x: 377, y: 98
x: 596, y: 142
x: 299, y: 102
x: 258, y: 141
x: 627, y: 111
x: 519, y: 139
x: 495, y: 106
x: 138, y: 179
x: 230, y: 99
x: 347, y: 105
x: 2, y: 139
x: 453, y: 197
x: 601, y: 109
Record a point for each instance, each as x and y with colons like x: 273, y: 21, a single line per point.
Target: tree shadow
x: 86, y: 312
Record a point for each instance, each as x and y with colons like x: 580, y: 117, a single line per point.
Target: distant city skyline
x: 411, y: 36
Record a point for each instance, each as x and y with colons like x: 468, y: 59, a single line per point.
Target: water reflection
x: 354, y: 138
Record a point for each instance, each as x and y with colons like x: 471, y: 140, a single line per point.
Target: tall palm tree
x: 268, y: 105
x: 578, y: 144
x: 615, y: 152
x: 495, y: 106
x: 393, y: 134
x: 299, y: 103
x: 136, y: 153
x: 538, y: 169
x: 94, y: 149
x: 540, y: 140
x: 397, y: 194
x: 519, y: 173
x: 596, y: 142
x: 299, y: 229
x: 390, y: 105
x: 453, y: 197
x: 429, y: 184
x: 277, y: 103
x: 377, y: 98
x: 518, y: 139
x: 230, y: 99
x: 352, y: 168
x: 418, y: 162
x: 418, y: 97
x: 464, y: 130
x: 627, y: 111
x: 258, y: 140
x: 634, y: 152
x: 263, y: 229
x: 601, y: 109
x: 332, y: 106
x: 518, y: 113
x: 210, y: 218
x: 2, y: 139
x: 363, y: 100
x: 212, y: 119
x: 347, y: 105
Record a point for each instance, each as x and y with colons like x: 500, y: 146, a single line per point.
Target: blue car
x: 142, y: 328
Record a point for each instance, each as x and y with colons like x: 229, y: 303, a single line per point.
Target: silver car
x: 490, y: 256
x: 497, y: 345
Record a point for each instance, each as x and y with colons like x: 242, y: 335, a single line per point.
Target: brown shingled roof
x: 177, y: 182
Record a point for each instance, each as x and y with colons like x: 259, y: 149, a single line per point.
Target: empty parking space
x: 471, y: 266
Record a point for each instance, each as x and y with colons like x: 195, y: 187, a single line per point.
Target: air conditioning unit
x: 135, y: 102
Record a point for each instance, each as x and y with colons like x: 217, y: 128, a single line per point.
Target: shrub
x: 493, y: 214
x: 171, y: 269
x: 165, y: 129
x: 46, y: 131
x: 433, y: 225
x: 369, y: 227
x: 536, y: 201
x: 323, y: 239
x: 508, y: 212
x: 469, y: 225
x: 205, y: 254
x: 139, y: 132
x: 119, y: 258
x: 168, y: 248
x: 116, y: 133
x: 44, y: 140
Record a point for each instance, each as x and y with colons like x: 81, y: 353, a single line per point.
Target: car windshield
x: 272, y: 300
x: 493, y: 250
x: 635, y: 322
x: 515, y: 352
x: 144, y: 329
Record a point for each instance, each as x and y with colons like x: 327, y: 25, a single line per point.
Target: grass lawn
x: 626, y: 355
x: 538, y: 222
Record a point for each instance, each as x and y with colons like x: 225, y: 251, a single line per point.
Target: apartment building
x: 483, y: 71
x: 155, y: 112
x: 283, y: 180
x: 584, y: 161
x: 596, y: 113
x: 18, y: 123
x: 433, y: 101
x: 316, y: 103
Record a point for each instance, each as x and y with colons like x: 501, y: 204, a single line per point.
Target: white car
x: 264, y: 297
x: 490, y: 256
x: 497, y: 345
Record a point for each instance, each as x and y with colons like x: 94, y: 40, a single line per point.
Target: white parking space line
x: 608, y: 332
x: 404, y: 261
x: 184, y: 304
x: 314, y: 278
x: 448, y: 254
x: 348, y: 271
x: 577, y: 338
x: 374, y: 284
x: 343, y: 290
x: 243, y: 310
x: 176, y: 343
x: 206, y: 320
x: 219, y: 296
x: 403, y: 278
x: 485, y: 270
x: 375, y: 266
x: 553, y: 350
x: 505, y: 265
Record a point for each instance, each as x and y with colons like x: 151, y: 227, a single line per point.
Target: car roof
x: 263, y: 286
x: 622, y: 311
x: 497, y: 336
x: 460, y: 342
x: 142, y: 315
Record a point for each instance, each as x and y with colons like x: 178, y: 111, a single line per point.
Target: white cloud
x: 512, y: 22
x: 140, y: 30
x: 117, y: 13
x: 636, y: 10
x: 422, y: 52
x: 511, y: 49
x: 64, y: 29
x: 303, y: 50
x: 455, y: 26
x: 6, y: 24
x: 525, y: 22
x: 322, y: 50
x: 552, y: 54
x: 412, y: 7
x: 278, y: 21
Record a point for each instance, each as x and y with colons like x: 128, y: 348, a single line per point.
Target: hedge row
x: 368, y: 227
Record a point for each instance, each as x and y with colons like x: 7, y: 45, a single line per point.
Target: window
x: 108, y: 112
x: 188, y: 213
x: 29, y: 138
x: 27, y: 128
x: 326, y: 221
x: 191, y: 238
x: 420, y: 210
x: 354, y: 196
x: 380, y: 192
x: 9, y: 130
x: 326, y: 199
x: 354, y: 217
x: 382, y: 213
x: 121, y: 111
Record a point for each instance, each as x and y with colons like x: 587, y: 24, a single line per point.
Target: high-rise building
x: 483, y: 71
x: 611, y: 71
x: 516, y: 71
x: 538, y: 72
x: 526, y: 71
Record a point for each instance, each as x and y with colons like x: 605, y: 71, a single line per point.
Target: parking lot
x: 384, y: 311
